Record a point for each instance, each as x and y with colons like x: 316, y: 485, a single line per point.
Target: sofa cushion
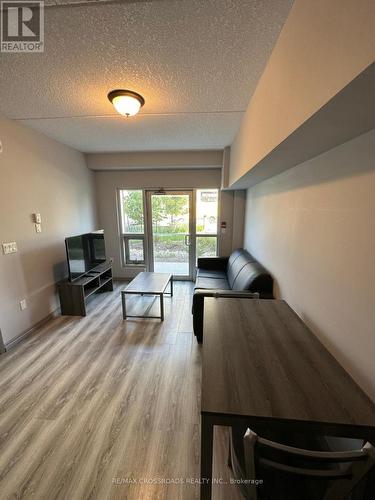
x: 213, y: 263
x: 235, y: 266
x: 253, y: 277
x: 204, y: 273
x: 212, y: 283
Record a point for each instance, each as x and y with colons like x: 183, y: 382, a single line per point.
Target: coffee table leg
x: 123, y: 305
x: 171, y: 281
x: 162, y: 306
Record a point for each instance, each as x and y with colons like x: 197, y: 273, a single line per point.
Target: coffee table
x: 147, y: 283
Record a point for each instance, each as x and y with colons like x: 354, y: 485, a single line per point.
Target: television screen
x: 84, y: 253
x: 95, y: 248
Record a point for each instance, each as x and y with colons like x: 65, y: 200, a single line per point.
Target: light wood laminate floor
x: 101, y: 408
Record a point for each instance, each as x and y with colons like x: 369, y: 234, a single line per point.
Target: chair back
x: 342, y: 470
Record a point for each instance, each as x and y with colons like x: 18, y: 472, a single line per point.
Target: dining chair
x: 289, y: 472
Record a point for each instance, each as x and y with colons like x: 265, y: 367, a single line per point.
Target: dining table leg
x: 207, y: 441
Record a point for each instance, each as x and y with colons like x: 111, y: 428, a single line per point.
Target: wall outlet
x: 23, y: 304
x: 38, y: 228
x: 10, y: 247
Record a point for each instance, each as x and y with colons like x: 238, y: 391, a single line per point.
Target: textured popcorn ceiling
x: 196, y: 62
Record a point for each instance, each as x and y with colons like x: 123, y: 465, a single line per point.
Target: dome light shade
x: 126, y: 102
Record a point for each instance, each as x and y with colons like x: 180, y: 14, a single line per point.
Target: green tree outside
x: 133, y: 210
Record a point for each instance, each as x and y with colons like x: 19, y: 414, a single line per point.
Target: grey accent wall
x: 313, y: 228
x: 153, y: 160
x: 38, y: 174
x: 107, y: 183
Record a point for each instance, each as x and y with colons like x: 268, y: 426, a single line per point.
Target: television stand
x: 74, y: 294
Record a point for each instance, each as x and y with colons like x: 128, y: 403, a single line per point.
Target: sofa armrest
x: 198, y: 305
x: 213, y: 263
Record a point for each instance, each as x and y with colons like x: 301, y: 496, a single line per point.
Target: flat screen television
x: 84, y: 253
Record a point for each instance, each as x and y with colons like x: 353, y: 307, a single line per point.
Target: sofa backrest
x: 254, y: 278
x: 237, y: 260
x: 233, y: 256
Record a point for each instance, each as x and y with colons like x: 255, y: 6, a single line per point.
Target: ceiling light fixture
x: 126, y: 102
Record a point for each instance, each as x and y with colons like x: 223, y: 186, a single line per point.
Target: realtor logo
x: 22, y: 26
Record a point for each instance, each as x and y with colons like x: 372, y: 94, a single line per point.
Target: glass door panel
x: 207, y: 209
x: 206, y: 246
x: 171, y: 225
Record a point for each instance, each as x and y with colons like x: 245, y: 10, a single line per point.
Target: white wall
x: 107, y: 183
x: 313, y: 228
x: 322, y: 47
x: 38, y: 174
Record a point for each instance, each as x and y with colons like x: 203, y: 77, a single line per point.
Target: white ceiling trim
x: 155, y: 160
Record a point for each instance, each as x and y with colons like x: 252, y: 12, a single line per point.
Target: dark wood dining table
x: 263, y: 367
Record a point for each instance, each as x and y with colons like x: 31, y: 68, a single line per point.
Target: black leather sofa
x: 238, y: 275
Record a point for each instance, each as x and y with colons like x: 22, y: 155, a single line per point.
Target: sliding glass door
x: 170, y: 232
x: 166, y: 230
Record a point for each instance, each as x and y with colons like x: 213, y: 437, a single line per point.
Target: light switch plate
x: 23, y: 304
x: 10, y: 247
x: 37, y: 218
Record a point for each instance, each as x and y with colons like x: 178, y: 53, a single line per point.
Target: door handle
x: 187, y: 240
